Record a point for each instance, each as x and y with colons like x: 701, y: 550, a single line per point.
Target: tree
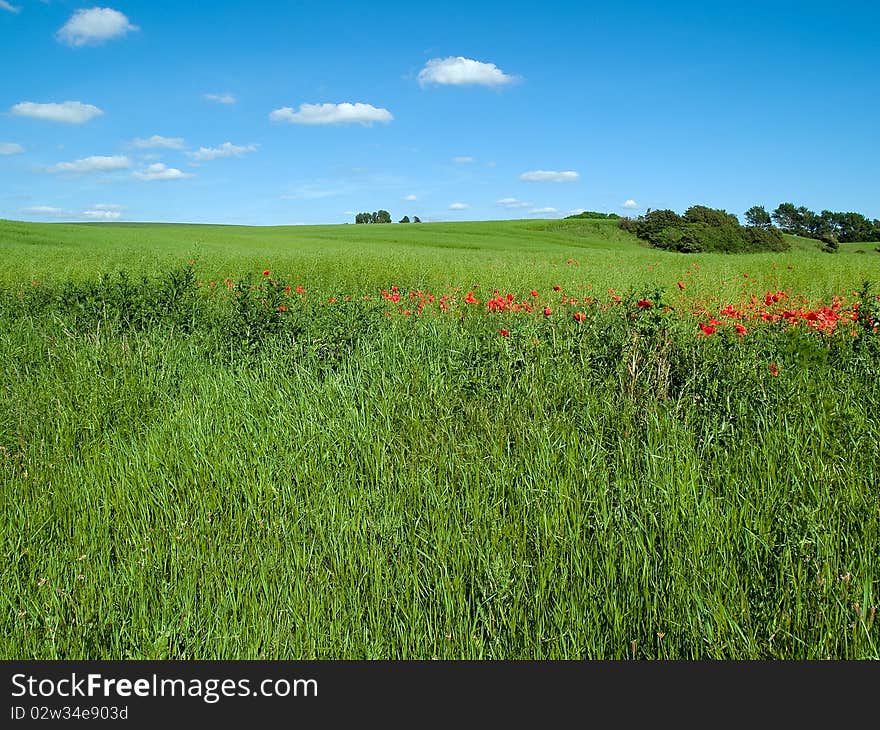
x: 788, y: 217
x: 381, y: 216
x: 758, y: 217
x: 416, y: 219
x: 703, y: 229
x: 405, y: 219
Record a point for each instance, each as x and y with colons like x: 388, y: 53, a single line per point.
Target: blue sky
x: 308, y: 112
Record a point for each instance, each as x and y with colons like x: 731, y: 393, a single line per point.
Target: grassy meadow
x: 508, y: 440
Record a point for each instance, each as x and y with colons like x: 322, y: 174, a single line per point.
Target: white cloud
x: 103, y: 212
x: 410, y: 198
x: 11, y: 8
x: 550, y: 176
x: 71, y: 112
x: 95, y: 163
x: 512, y: 203
x: 227, y: 149
x: 543, y: 211
x: 220, y: 98
x: 460, y: 71
x: 10, y: 148
x: 158, y: 171
x: 94, y: 26
x: 344, y: 113
x: 463, y: 160
x: 44, y: 210
x: 459, y: 206
x: 159, y: 142
x: 631, y: 204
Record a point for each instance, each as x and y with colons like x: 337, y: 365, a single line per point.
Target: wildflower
x: 773, y: 368
x: 740, y: 329
x: 287, y: 289
x: 300, y: 290
x: 547, y: 311
x: 681, y: 285
x: 644, y: 303
x: 579, y: 316
x: 708, y: 329
x: 470, y: 298
x: 533, y: 293
x: 282, y: 308
x: 557, y: 288
x: 505, y: 333
x: 266, y: 272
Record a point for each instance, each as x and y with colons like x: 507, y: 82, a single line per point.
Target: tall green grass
x: 185, y: 477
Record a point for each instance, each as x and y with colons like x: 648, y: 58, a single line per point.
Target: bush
x: 591, y: 214
x: 703, y: 229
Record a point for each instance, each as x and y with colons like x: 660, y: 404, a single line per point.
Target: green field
x: 196, y: 468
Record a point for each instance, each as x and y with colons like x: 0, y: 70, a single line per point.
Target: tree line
x: 703, y: 229
x: 382, y: 216
x: 826, y: 226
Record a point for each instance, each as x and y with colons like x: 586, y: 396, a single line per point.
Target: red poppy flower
x: 300, y: 290
x: 547, y: 311
x: 580, y: 316
x: 282, y: 308
x: 266, y: 272
x: 708, y: 329
x: 557, y: 288
x: 681, y: 285
x: 740, y: 329
x: 644, y: 304
x: 505, y: 333
x: 773, y: 368
x: 533, y: 293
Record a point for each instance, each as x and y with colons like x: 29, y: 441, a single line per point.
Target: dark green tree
x: 405, y: 219
x: 788, y: 217
x: 758, y: 217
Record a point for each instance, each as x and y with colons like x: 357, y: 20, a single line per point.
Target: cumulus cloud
x: 220, y: 98
x: 344, y: 113
x: 463, y: 160
x: 460, y: 71
x: 159, y: 142
x: 410, y: 198
x: 512, y: 203
x: 71, y: 112
x: 94, y: 26
x: 631, y: 204
x: 8, y: 7
x: 543, y: 211
x: 95, y: 163
x: 459, y: 206
x: 227, y: 149
x: 103, y: 212
x: 158, y: 171
x: 10, y: 148
x: 550, y: 176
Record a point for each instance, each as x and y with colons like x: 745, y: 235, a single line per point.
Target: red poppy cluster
x: 772, y: 308
x: 820, y: 317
